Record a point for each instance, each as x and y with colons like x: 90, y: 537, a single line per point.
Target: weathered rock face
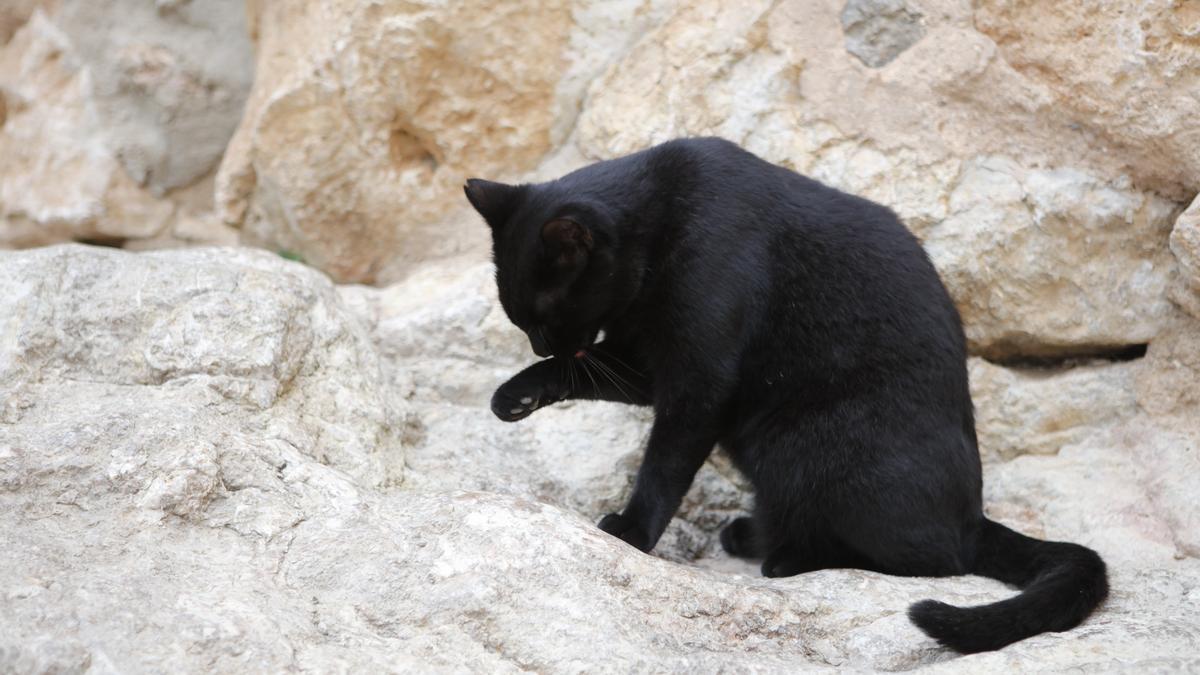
x: 219, y: 460
x: 1125, y: 75
x: 109, y: 107
x: 1185, y: 244
x: 215, y: 460
x: 877, y: 31
x: 101, y: 346
x: 365, y: 118
x: 1020, y: 243
x: 990, y: 128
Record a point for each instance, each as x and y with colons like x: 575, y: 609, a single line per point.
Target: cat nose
x: 539, y: 344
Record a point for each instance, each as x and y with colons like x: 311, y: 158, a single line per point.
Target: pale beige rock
x: 13, y: 15
x: 59, y: 180
x: 108, y: 106
x: 1038, y: 411
x: 248, y: 340
x: 366, y: 119
x: 1185, y: 244
x: 1053, y: 261
x: 1058, y: 252
x: 200, y: 455
x: 1126, y: 74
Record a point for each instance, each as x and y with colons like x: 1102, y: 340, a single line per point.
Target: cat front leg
x: 679, y: 444
x: 602, y: 373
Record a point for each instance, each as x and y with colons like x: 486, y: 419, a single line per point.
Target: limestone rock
x: 877, y: 31
x: 200, y: 463
x: 1126, y: 75
x: 1045, y: 262
x: 1038, y: 412
x: 108, y: 107
x: 13, y: 15
x: 1185, y: 244
x: 1061, y: 251
x: 366, y: 118
x: 234, y: 342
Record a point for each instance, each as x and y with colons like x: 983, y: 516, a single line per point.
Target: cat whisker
x: 606, y: 373
x: 587, y: 371
x: 612, y: 373
x: 614, y: 357
x: 612, y: 376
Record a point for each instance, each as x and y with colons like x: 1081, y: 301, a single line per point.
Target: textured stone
x: 1048, y: 243
x: 1038, y: 411
x: 347, y: 156
x: 878, y: 30
x: 250, y: 343
x: 1127, y: 75
x: 1053, y: 261
x: 13, y: 15
x: 110, y: 106
x: 1185, y: 244
x: 201, y: 456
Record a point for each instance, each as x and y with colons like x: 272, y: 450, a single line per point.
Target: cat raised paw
x: 511, y: 403
x: 535, y: 387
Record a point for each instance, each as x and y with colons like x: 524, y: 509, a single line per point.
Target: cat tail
x: 1061, y: 583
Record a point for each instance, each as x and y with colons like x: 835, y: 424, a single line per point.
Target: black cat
x: 803, y: 329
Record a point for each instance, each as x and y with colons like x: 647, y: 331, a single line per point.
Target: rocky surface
x: 877, y: 31
x: 114, y: 116
x: 1001, y: 132
x: 217, y: 460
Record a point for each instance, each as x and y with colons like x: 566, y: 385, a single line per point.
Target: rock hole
x: 408, y: 152
x: 1071, y: 357
x: 103, y: 240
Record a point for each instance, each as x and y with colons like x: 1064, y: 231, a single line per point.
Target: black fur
x: 802, y: 328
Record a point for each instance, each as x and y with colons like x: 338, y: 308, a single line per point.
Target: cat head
x: 556, y: 264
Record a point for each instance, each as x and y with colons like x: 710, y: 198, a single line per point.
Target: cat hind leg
x: 812, y: 554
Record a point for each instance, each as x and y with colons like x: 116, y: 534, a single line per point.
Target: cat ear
x: 494, y: 201
x: 567, y: 243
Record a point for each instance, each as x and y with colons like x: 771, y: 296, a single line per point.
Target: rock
x: 215, y: 460
x: 1185, y: 244
x: 109, y: 107
x: 237, y: 342
x: 1030, y: 255
x: 1019, y: 241
x: 1039, y: 411
x: 877, y: 31
x: 13, y: 15
x: 59, y: 181
x: 1123, y: 74
x: 347, y: 157
x: 167, y: 97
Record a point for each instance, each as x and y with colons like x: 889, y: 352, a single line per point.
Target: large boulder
x: 113, y: 114
x: 366, y: 118
x: 1049, y: 244
x: 216, y: 460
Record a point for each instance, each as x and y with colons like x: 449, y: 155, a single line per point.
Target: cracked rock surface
x: 216, y: 459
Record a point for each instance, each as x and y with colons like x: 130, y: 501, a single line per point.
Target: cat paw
x: 626, y: 530
x: 738, y: 538
x: 782, y: 562
x: 513, y: 402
